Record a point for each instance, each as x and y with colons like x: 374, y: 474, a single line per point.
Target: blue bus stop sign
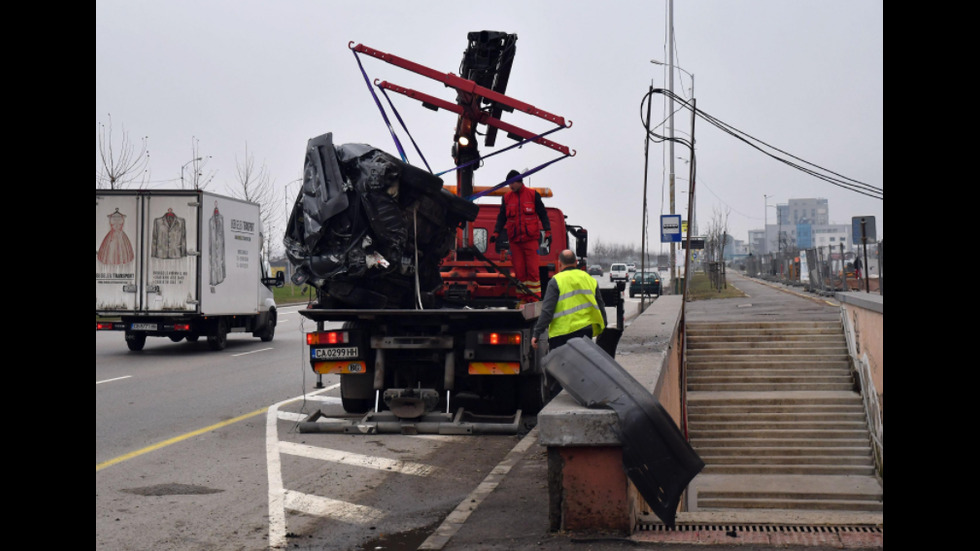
x: 670, y: 228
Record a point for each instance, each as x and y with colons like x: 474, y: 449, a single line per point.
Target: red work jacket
x: 522, y: 218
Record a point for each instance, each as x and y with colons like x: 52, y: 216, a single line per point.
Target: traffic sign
x: 862, y: 226
x: 670, y: 228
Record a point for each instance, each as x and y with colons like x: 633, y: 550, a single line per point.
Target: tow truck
x: 456, y: 356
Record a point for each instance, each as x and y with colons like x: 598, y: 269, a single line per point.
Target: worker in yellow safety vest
x: 572, y: 306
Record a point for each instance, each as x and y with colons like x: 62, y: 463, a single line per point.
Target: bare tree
x: 119, y: 164
x: 717, y: 236
x: 194, y: 169
x: 256, y: 185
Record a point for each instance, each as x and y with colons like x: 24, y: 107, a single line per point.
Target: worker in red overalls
x: 523, y: 214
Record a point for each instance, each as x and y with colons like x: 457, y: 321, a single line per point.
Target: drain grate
x: 761, y: 528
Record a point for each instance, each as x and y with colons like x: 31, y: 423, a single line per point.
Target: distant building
x: 800, y: 224
x: 815, y: 212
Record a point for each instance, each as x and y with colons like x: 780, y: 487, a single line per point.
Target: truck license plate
x: 339, y: 352
x: 143, y: 327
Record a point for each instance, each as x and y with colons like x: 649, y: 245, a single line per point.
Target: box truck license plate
x: 340, y: 352
x: 143, y: 327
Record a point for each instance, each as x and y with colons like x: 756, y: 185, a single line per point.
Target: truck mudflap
x: 656, y: 456
x: 386, y: 422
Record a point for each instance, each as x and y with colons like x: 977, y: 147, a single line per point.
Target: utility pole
x: 670, y: 120
x: 643, y: 234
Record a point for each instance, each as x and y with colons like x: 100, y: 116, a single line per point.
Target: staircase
x: 774, y: 414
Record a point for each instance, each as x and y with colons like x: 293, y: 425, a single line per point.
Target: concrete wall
x: 588, y: 488
x: 866, y: 313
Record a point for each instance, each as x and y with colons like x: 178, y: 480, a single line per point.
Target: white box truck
x: 182, y: 264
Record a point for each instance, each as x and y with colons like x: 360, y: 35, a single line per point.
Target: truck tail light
x: 182, y: 327
x: 498, y: 338
x: 328, y: 337
x: 103, y: 326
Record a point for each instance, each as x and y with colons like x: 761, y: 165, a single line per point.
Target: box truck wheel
x: 269, y: 331
x: 219, y: 339
x: 135, y: 341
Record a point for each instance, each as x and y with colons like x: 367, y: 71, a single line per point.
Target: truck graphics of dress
x: 216, y: 239
x: 116, y: 248
x: 169, y: 236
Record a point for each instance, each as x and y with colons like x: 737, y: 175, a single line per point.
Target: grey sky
x: 804, y: 76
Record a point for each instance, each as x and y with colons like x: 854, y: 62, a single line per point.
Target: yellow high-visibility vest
x: 577, y: 306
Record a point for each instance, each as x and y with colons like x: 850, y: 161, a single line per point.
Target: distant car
x: 618, y: 272
x: 646, y: 283
x: 595, y: 269
x: 631, y: 267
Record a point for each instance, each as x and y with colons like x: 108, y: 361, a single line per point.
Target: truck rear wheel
x: 136, y: 341
x: 219, y: 340
x: 536, y: 391
x: 355, y: 392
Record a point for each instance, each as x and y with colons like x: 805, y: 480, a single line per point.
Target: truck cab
x: 477, y: 271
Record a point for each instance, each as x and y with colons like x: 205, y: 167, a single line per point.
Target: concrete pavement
x: 511, y: 509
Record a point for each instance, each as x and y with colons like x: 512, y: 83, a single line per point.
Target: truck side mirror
x: 278, y: 281
x: 582, y: 243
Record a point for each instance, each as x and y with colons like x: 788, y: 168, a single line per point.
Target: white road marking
x: 251, y: 352
x: 277, y: 511
x: 111, y: 380
x: 330, y: 508
x: 356, y: 459
x: 455, y: 520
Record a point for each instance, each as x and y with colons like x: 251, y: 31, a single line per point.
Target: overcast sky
x: 804, y: 76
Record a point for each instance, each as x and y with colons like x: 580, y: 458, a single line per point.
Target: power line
x: 770, y: 151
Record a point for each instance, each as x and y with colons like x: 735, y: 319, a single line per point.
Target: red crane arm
x: 459, y: 83
x: 480, y: 117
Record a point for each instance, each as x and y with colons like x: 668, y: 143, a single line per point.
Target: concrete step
x: 783, y: 399
x: 829, y: 469
x: 773, y: 412
x: 786, y: 491
x: 783, y: 460
x: 699, y: 417
x: 749, y: 367
x: 771, y: 387
x: 772, y: 354
x: 707, y: 339
x: 762, y: 362
x: 787, y: 502
x: 767, y: 376
x: 741, y: 411
x: 704, y: 424
x: 762, y: 326
x: 707, y: 343
x: 786, y: 451
x: 756, y: 442
x: 806, y: 437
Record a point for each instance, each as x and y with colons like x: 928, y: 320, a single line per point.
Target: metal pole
x: 765, y: 223
x: 670, y: 120
x: 643, y: 234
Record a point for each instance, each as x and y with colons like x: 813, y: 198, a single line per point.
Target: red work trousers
x: 524, y: 257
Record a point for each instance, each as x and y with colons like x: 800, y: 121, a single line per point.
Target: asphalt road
x: 200, y: 449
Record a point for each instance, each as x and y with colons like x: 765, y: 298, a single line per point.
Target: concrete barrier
x: 587, y: 485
